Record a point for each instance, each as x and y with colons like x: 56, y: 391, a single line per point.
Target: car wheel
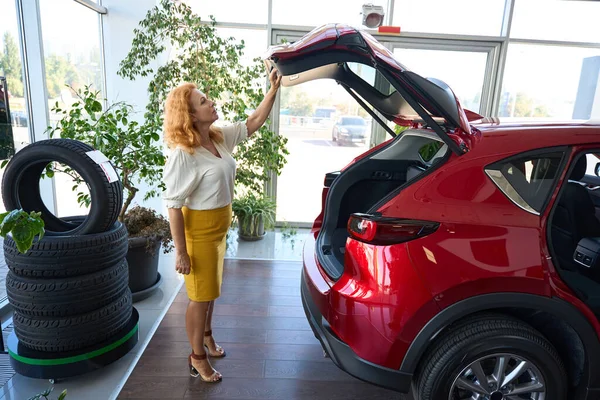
x: 333, y: 138
x: 492, y: 357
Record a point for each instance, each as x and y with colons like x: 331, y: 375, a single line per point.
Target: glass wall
x: 14, y: 115
x: 72, y: 60
x: 318, y: 12
x: 71, y: 50
x: 463, y: 71
x: 239, y: 11
x: 543, y: 81
x: 465, y: 17
x: 574, y: 21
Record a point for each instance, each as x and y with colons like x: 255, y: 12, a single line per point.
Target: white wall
x: 118, y: 24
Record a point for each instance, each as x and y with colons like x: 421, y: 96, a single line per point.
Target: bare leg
x: 211, y: 307
x: 195, y: 321
x: 214, y: 349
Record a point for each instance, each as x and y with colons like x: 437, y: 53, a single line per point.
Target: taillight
x: 385, y: 230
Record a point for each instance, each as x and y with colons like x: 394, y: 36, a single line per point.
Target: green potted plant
x: 148, y: 230
x: 136, y: 152
x: 253, y: 215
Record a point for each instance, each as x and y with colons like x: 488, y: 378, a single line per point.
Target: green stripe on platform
x: 74, y: 359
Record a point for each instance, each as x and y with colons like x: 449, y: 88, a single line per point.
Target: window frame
x: 494, y: 172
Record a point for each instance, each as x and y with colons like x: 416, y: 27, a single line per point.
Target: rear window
x: 527, y: 181
x: 428, y: 151
x: 417, y: 145
x: 373, y: 77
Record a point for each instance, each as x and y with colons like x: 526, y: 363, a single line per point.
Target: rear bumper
x: 344, y: 357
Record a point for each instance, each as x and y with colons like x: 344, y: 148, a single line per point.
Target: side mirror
x: 597, y: 169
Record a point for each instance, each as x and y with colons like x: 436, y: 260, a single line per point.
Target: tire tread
x: 65, y: 256
x: 66, y: 296
x: 76, y: 332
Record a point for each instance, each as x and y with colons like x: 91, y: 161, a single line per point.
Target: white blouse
x: 203, y: 181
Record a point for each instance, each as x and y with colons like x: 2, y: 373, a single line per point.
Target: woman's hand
x: 259, y: 116
x: 183, y: 264
x: 275, y: 80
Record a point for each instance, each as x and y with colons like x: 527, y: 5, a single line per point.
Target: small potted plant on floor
x: 253, y: 215
x: 136, y: 152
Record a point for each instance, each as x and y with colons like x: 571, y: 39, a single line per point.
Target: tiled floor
x: 276, y: 245
x: 271, y: 350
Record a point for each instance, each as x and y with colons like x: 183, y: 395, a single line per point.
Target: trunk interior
x: 362, y: 187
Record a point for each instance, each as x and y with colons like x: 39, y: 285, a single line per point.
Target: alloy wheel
x: 499, y: 377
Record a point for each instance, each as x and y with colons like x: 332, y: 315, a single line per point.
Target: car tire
x: 481, y: 341
x: 66, y: 296
x: 65, y: 256
x: 74, y: 332
x: 21, y: 189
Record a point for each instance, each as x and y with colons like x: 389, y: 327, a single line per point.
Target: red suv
x: 459, y: 259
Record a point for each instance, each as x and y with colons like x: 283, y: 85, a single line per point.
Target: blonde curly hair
x: 179, y: 127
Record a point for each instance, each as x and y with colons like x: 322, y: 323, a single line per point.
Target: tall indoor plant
x: 136, y: 152
x: 214, y: 64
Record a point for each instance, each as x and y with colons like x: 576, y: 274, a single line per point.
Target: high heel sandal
x: 195, y: 373
x: 220, y: 351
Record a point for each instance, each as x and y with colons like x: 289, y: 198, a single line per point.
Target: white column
x: 118, y: 23
x: 35, y: 76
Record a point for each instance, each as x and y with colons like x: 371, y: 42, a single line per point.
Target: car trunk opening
x: 386, y: 90
x: 368, y: 184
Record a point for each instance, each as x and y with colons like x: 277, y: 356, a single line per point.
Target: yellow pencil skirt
x: 205, y: 236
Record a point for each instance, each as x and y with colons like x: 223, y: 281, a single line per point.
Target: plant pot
x: 143, y: 265
x: 251, y: 227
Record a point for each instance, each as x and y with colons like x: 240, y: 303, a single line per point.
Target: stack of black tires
x: 70, y: 290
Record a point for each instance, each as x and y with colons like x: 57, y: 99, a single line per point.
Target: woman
x: 199, y: 177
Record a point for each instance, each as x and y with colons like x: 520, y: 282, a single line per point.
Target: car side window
x: 527, y: 181
x: 592, y: 160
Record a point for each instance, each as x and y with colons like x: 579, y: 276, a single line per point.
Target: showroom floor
x: 106, y: 383
x: 259, y: 319
x: 271, y: 351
